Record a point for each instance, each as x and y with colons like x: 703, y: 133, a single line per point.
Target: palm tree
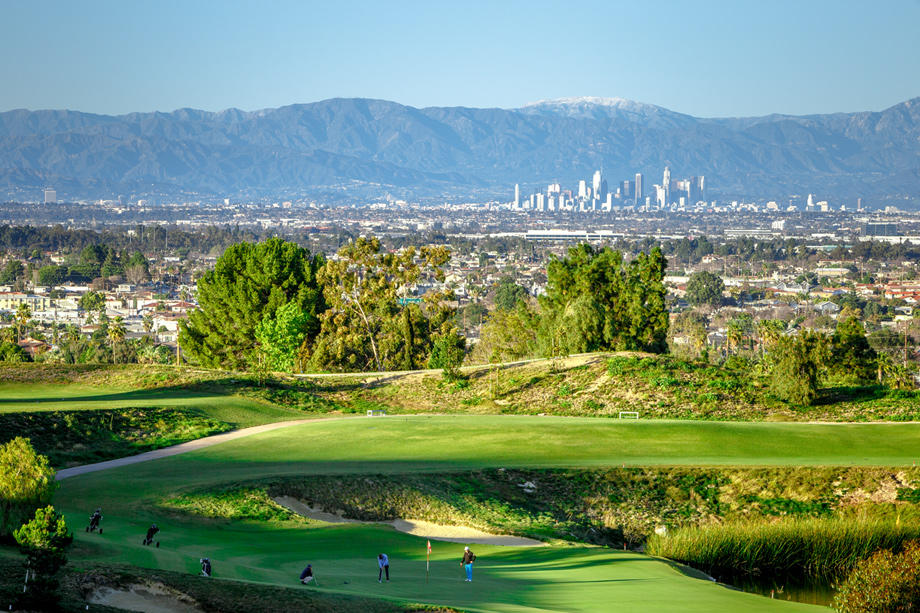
x: 770, y: 331
x: 148, y: 324
x: 116, y: 334
x: 23, y: 315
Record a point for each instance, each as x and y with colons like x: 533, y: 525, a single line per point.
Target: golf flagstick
x: 427, y: 561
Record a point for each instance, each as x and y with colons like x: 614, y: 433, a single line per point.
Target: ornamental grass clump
x: 817, y: 549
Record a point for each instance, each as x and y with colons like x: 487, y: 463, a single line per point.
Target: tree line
x: 275, y: 306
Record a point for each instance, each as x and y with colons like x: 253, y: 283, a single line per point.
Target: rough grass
x: 819, y: 548
x: 598, y: 385
x: 83, y: 414
x: 69, y: 438
x: 657, y: 386
x: 605, y: 507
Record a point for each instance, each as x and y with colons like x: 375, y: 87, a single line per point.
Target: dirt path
x: 200, y: 443
x: 425, y: 529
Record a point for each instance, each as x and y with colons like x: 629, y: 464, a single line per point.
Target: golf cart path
x: 165, y: 452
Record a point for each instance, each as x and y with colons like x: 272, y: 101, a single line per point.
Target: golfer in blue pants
x: 467, y: 563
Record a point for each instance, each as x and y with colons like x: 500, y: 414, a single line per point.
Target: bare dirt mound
x: 147, y: 597
x: 425, y: 529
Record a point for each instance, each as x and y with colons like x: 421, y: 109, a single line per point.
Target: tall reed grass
x: 813, y: 549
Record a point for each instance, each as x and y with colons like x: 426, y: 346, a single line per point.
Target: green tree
x: 13, y: 271
x: 116, y: 335
x: 26, y: 482
x: 740, y: 330
x: 447, y: 353
x: 281, y: 335
x: 44, y: 541
x: 705, y: 288
x: 12, y: 353
x: 23, y: 315
x: 769, y: 332
x: 49, y: 276
x: 249, y: 281
x: 595, y: 302
x: 148, y: 324
x: 366, y: 327
x: 852, y: 358
x: 508, y: 335
x: 508, y: 294
x: 695, y: 327
x: 795, y: 367
x: 91, y: 301
x: 136, y: 268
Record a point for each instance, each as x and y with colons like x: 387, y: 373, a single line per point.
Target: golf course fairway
x: 563, y: 578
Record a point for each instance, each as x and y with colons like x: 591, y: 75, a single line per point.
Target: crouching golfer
x: 467, y: 563
x: 307, y: 575
x: 383, y: 564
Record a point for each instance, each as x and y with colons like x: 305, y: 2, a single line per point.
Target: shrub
x: 44, y: 541
x: 26, y: 482
x: 884, y: 583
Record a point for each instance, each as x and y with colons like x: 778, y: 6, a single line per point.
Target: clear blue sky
x: 706, y: 58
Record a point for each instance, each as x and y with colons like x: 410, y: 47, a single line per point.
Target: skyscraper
x: 517, y: 196
x: 666, y: 184
x: 582, y: 189
x: 640, y: 193
x: 596, y: 183
x: 50, y: 196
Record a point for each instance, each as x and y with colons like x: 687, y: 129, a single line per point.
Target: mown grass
x: 79, y: 579
x: 556, y: 578
x: 817, y: 548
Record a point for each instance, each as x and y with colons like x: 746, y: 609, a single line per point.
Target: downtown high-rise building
x: 517, y: 196
x: 50, y: 195
x: 666, y: 185
x: 638, y: 188
x: 596, y: 184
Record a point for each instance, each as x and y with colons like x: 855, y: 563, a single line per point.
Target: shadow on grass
x: 853, y: 393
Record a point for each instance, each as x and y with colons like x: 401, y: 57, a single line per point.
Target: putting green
x: 507, y: 579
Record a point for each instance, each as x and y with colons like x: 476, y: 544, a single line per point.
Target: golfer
x: 383, y: 565
x: 467, y: 563
x: 307, y: 575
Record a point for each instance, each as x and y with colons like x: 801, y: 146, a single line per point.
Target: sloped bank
x: 609, y: 507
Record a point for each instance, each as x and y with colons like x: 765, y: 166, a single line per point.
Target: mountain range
x: 370, y: 148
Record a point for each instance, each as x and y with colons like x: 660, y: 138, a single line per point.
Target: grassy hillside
x: 602, y: 506
x: 83, y: 414
x: 599, y: 385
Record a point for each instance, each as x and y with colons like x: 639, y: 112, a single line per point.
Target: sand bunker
x: 146, y: 597
x: 425, y: 529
